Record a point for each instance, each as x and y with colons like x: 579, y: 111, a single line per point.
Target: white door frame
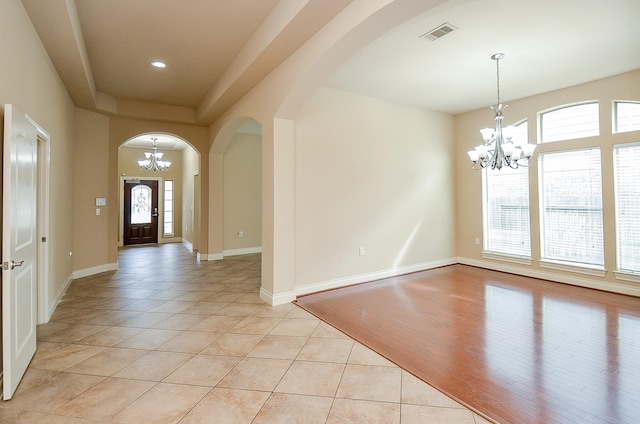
x: 44, y: 159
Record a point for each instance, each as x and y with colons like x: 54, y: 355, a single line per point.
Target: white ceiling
x: 549, y: 44
x: 105, y: 46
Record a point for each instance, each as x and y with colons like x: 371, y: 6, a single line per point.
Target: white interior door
x: 19, y: 247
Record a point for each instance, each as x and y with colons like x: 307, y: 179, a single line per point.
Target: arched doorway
x: 235, y: 183
x: 159, y: 190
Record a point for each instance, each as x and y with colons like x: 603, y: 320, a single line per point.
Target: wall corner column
x: 216, y: 207
x: 278, y: 207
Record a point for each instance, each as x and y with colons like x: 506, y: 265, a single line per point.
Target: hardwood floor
x: 513, y: 349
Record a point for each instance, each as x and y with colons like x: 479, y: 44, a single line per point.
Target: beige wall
x: 275, y: 102
x: 371, y: 174
x: 91, y: 146
x: 104, y: 136
x: 29, y: 81
x: 121, y: 130
x: 242, y: 193
x: 468, y: 181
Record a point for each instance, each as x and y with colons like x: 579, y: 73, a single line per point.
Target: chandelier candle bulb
x: 508, y: 148
x: 487, y: 134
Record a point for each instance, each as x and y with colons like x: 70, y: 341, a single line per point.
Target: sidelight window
x: 168, y: 208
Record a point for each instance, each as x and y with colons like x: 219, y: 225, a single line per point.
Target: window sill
x: 585, y: 269
x: 522, y: 260
x: 627, y: 276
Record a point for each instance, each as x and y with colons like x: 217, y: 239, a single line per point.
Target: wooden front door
x: 140, y: 212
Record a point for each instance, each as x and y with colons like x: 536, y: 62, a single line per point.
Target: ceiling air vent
x: 439, y: 32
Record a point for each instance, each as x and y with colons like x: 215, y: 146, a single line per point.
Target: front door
x: 140, y: 212
x: 19, y: 247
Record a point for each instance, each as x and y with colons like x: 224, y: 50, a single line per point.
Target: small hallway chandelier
x: 153, y: 161
x: 498, y: 150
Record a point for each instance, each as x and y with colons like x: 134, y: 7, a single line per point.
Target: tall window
x: 168, y: 208
x: 569, y: 122
x: 571, y: 207
x: 506, y: 207
x: 627, y: 194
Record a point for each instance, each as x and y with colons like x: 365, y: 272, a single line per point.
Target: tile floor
x: 195, y: 344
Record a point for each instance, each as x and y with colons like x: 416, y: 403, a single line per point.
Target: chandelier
x: 498, y: 149
x: 153, y: 161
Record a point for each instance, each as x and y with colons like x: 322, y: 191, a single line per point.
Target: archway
x: 178, y: 186
x: 235, y: 181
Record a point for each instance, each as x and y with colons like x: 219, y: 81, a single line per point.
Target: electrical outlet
x: 477, y: 241
x: 240, y: 233
x: 361, y: 251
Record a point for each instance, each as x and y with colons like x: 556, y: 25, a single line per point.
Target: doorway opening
x: 177, y: 218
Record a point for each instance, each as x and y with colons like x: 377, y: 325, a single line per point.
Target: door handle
x: 155, y: 212
x: 12, y: 264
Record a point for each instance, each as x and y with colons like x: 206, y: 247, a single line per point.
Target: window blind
x: 506, y: 202
x: 627, y: 201
x: 627, y: 116
x: 570, y: 122
x: 571, y: 207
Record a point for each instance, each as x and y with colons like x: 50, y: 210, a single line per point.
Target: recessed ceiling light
x: 158, y: 64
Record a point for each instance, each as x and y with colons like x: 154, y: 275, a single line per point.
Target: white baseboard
x: 372, y: 276
x: 87, y: 272
x: 210, y: 256
x: 243, y: 251
x: 551, y: 276
x: 229, y: 252
x: 54, y: 304
x: 278, y: 299
x: 186, y: 244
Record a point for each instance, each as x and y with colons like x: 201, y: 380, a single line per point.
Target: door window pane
x: 141, y: 204
x: 571, y: 207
